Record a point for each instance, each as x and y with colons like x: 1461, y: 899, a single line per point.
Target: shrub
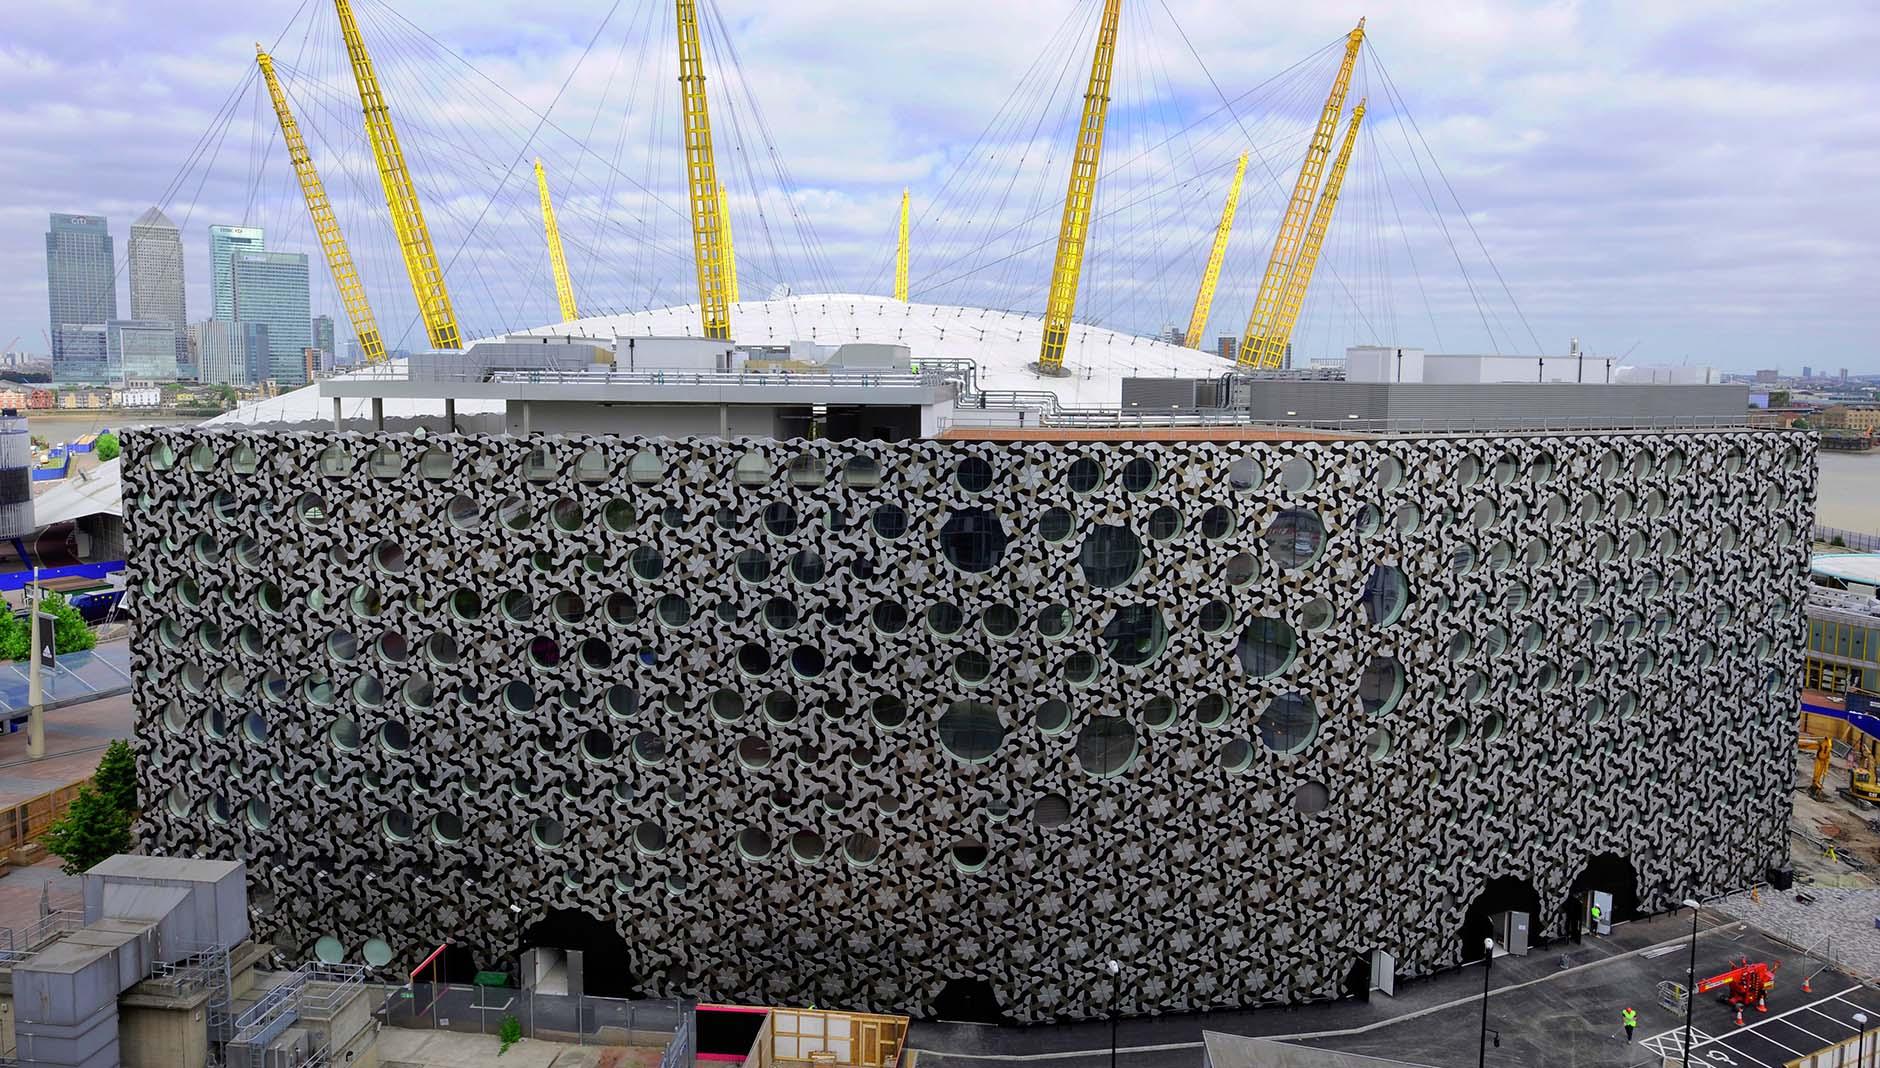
x: 93, y: 829
x: 106, y: 447
x: 116, y: 777
x: 510, y: 1034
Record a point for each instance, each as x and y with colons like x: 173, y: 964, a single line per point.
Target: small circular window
x: 1289, y: 724
x: 1106, y: 747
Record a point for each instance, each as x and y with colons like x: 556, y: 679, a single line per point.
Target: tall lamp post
x: 1488, y: 969
x: 1115, y: 968
x: 1690, y: 986
x: 1860, y: 1044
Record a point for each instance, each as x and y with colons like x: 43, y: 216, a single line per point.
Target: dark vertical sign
x: 48, y: 639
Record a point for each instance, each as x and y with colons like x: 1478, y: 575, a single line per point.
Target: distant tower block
x: 16, y: 476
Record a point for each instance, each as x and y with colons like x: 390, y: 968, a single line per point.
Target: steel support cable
x: 1404, y: 233
x: 1391, y: 86
x: 620, y: 134
x: 1296, y: 90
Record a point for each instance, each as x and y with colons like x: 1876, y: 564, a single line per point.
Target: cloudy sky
x: 1687, y: 181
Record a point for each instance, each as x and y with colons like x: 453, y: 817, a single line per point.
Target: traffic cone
x: 1739, y: 1015
x: 1807, y: 989
x: 1762, y: 1004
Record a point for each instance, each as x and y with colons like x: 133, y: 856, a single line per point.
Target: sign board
x: 48, y: 639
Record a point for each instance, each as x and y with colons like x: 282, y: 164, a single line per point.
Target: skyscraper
x: 224, y: 242
x: 81, y: 290
x: 141, y: 350
x: 323, y: 334
x: 156, y: 269
x: 271, y: 288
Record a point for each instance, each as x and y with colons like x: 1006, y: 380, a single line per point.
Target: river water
x: 1848, y: 494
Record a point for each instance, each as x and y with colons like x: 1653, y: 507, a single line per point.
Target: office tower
x: 251, y: 341
x: 355, y: 353
x: 271, y: 288
x: 224, y: 242
x: 323, y: 334
x: 156, y: 271
x: 1227, y: 346
x: 141, y: 350
x: 81, y: 290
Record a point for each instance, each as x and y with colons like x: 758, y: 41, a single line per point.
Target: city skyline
x: 1593, y: 168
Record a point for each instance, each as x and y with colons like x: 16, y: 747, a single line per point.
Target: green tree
x: 116, y: 777
x: 106, y: 447
x: 92, y: 830
x: 510, y: 1034
x: 13, y: 637
x: 72, y: 633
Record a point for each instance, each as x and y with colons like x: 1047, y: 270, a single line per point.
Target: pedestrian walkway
x: 76, y: 736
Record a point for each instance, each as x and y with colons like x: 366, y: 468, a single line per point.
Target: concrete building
x: 1849, y: 417
x: 605, y: 641
x: 224, y: 242
x: 81, y: 292
x: 156, y: 272
x: 271, y: 288
x: 141, y: 351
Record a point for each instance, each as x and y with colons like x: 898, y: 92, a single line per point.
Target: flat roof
x: 1195, y: 433
x: 1848, y: 567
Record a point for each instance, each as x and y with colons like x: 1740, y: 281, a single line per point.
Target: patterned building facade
x: 844, y: 722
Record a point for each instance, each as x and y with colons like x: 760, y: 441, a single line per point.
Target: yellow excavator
x: 1861, y: 781
x: 1823, y: 748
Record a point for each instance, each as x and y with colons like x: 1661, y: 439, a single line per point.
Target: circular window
x: 1377, y: 745
x: 754, y: 843
x: 1407, y: 519
x: 1266, y: 648
x: 806, y: 846
x: 311, y: 507
x: 597, y: 745
x: 861, y: 849
x: 808, y: 470
x: 888, y: 712
x: 1051, y: 811
x: 1211, y: 711
x: 973, y: 539
x: 1217, y: 522
x: 1242, y: 568
x: 344, y: 734
x: 1311, y: 798
x: 394, y: 737
x: 1164, y: 523
x: 889, y: 521
x: 945, y: 619
x: 1456, y: 733
x: 780, y: 613
x: 970, y: 731
x: 1135, y: 635
x: 1052, y: 716
x: 755, y: 753
x: 1315, y: 615
x: 807, y: 566
x: 861, y: 472
x: 1389, y: 475
x: 1216, y: 616
x: 999, y: 620
x: 519, y: 696
x: 1381, y: 685
x: 1236, y: 756
x: 1085, y: 475
x: 1054, y: 621
x: 673, y: 610
x: 1080, y: 669
x: 780, y: 519
x: 548, y: 833
x: 396, y: 825
x: 1289, y: 724
x: 329, y: 950
x: 646, y: 468
x: 807, y: 661
x: 1138, y: 476
x: 1244, y: 475
x: 650, y: 838
x: 973, y: 475
x: 1106, y: 746
x: 646, y: 562
x: 753, y: 659
x: 969, y: 855
x: 1055, y: 525
x: 972, y: 667
x: 1109, y: 556
x: 1297, y: 475
x: 1295, y: 538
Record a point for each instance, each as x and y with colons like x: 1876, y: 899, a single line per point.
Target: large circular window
x: 1106, y: 746
x: 970, y: 731
x: 1381, y: 685
x: 1135, y: 635
x: 973, y: 539
x: 1266, y: 648
x: 1110, y: 556
x: 1289, y: 724
x: 1295, y: 539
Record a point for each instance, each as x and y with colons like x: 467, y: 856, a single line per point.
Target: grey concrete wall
x: 775, y: 787
x: 679, y: 420
x: 1418, y: 405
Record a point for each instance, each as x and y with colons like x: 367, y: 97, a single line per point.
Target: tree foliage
x: 106, y: 447
x: 116, y: 777
x: 71, y: 633
x: 93, y: 829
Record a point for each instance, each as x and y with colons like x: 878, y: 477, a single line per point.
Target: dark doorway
x: 457, y: 965
x: 1358, y: 979
x: 728, y: 1033
x: 1504, y: 894
x: 969, y: 1001
x: 606, y: 972
x: 1609, y: 872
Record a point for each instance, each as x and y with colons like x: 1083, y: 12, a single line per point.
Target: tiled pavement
x: 1843, y: 925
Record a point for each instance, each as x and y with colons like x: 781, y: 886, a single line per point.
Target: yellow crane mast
x: 900, y: 256
x: 731, y: 248
x: 701, y: 171
x: 401, y: 196
x: 1079, y: 198
x: 1210, y: 278
x: 338, y: 257
x: 1293, y: 225
x: 557, y: 259
x: 1273, y: 346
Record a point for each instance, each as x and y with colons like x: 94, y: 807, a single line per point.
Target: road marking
x: 1063, y: 1055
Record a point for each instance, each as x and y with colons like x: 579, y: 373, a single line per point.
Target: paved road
x: 1773, y: 1039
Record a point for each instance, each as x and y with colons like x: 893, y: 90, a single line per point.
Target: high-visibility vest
x: 1631, y: 1018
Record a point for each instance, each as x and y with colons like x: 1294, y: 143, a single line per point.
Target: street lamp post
x: 1690, y: 986
x: 1860, y: 1044
x: 1488, y: 969
x: 1115, y: 968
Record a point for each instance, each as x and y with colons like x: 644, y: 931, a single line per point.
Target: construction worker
x: 1631, y: 1023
